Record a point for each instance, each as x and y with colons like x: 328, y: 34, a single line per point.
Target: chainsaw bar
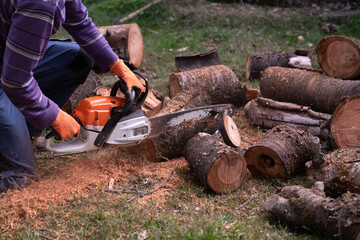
x: 163, y: 123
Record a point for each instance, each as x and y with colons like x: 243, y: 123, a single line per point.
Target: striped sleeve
x: 80, y: 26
x: 31, y: 27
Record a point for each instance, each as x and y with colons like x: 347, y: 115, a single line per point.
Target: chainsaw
x: 118, y: 121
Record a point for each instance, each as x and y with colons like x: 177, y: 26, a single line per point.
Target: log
x: 171, y: 144
x: 267, y: 113
x: 190, y: 62
x: 216, y: 165
x: 318, y: 91
x: 127, y: 42
x: 339, y: 56
x: 345, y: 123
x: 258, y: 62
x: 184, y: 100
x: 281, y: 153
x: 339, y: 172
x: 310, y: 209
x: 219, y: 82
x: 151, y: 106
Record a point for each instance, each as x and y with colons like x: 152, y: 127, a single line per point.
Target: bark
x: 258, y: 62
x: 311, y: 209
x: 345, y: 123
x: 318, y: 91
x: 219, y: 82
x: 127, y: 42
x: 281, y: 153
x: 186, y: 63
x: 339, y: 171
x: 214, y: 163
x: 171, y: 144
x: 339, y: 56
x: 268, y: 113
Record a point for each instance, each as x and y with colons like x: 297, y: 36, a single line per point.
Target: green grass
x: 189, y: 211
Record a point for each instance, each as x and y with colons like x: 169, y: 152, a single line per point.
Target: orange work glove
x: 65, y: 125
x: 129, y: 81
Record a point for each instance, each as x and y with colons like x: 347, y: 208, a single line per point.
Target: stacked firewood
x: 313, y: 117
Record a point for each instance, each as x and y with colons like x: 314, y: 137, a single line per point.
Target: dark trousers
x: 62, y: 69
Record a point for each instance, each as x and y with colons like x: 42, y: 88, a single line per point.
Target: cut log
x: 267, y: 113
x: 318, y: 91
x: 190, y: 62
x: 339, y: 56
x: 171, y: 144
x: 340, y: 172
x: 151, y: 105
x: 219, y: 82
x: 214, y: 163
x: 258, y: 62
x: 184, y: 100
x: 127, y: 42
x: 310, y: 209
x: 281, y: 153
x: 345, y: 123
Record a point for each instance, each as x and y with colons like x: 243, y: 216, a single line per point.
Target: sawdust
x: 89, y: 172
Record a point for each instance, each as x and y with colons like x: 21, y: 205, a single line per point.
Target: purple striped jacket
x: 25, y: 30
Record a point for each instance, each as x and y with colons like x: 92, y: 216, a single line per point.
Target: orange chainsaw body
x: 96, y: 111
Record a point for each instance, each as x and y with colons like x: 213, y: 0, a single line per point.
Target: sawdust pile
x: 79, y: 178
x: 88, y: 172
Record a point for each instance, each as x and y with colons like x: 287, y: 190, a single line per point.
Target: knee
x: 82, y: 64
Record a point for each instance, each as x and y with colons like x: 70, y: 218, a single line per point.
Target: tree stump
x: 214, y: 163
x: 267, y: 113
x: 345, y: 123
x: 281, y: 153
x: 219, y: 82
x: 339, y: 171
x: 339, y: 56
x: 127, y: 42
x: 190, y: 62
x: 258, y: 62
x: 299, y: 207
x: 318, y: 91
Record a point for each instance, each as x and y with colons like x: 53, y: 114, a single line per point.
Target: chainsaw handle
x: 131, y: 105
x: 129, y: 98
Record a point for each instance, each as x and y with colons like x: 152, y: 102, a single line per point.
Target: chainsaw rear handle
x: 131, y: 105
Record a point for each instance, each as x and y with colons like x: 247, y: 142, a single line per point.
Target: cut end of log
x: 345, y: 124
x: 231, y: 135
x: 339, y: 57
x: 262, y: 161
x: 227, y: 173
x: 135, y: 50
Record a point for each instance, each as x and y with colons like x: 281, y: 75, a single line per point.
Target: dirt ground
x: 65, y: 178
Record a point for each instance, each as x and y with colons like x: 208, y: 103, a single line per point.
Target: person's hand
x: 66, y: 125
x: 128, y: 79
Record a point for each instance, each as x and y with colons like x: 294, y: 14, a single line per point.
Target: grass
x: 189, y: 211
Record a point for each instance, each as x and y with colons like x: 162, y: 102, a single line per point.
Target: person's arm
x: 32, y: 24
x: 30, y: 31
x: 80, y: 26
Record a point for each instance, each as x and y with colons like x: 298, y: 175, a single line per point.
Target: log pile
x: 311, y: 120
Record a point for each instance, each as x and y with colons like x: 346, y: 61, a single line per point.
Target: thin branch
x: 242, y: 139
x: 249, y: 200
x: 52, y: 231
x: 134, y: 14
x: 150, y: 192
x: 354, y: 161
